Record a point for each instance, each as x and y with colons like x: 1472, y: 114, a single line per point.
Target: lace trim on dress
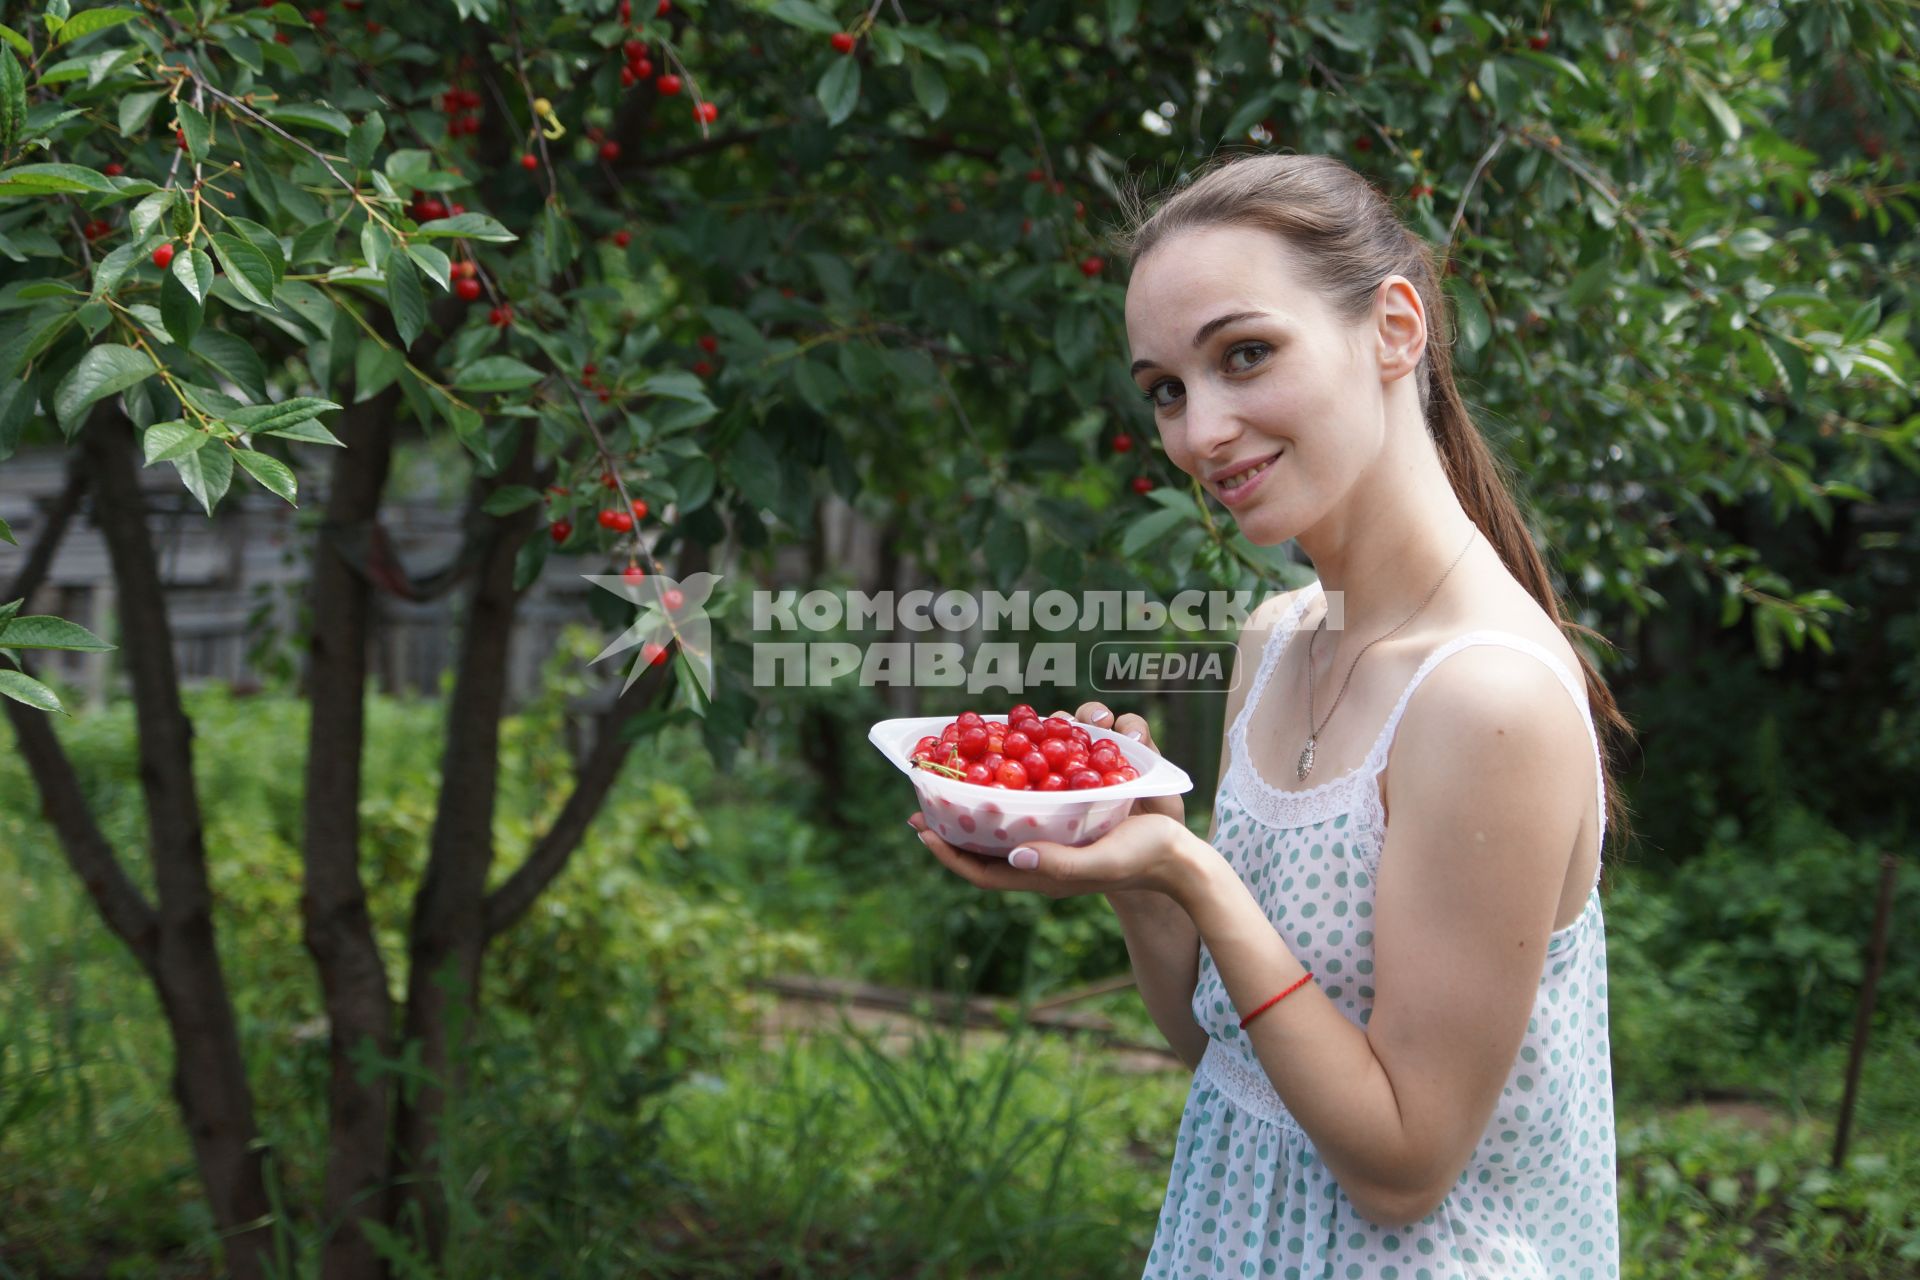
x: 1356, y: 792
x: 1245, y: 1084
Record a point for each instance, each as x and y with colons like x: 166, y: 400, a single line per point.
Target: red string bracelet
x: 1276, y: 1000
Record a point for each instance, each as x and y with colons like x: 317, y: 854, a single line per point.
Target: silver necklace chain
x: 1313, y: 734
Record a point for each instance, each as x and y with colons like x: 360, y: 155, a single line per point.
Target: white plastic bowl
x: 987, y: 820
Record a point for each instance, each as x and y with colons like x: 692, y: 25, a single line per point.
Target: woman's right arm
x: 1162, y: 943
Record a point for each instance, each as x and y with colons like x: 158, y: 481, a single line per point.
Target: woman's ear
x: 1401, y: 327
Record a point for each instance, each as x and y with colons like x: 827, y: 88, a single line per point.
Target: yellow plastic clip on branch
x: 554, y: 129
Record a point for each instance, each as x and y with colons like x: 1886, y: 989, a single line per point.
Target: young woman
x: 1387, y: 961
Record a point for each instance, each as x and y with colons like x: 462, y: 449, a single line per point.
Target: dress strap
x: 1575, y: 687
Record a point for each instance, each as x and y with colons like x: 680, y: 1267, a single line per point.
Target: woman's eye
x: 1152, y: 394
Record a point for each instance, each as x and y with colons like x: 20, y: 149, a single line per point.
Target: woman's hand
x: 1135, y: 727
x: 1146, y: 851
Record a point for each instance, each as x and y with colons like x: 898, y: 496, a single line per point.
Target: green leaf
x: 88, y: 21
x: 1722, y: 113
x: 266, y: 242
x: 199, y: 129
x: 694, y: 482
x: 103, y: 371
x: 207, y: 473
x: 165, y: 441
x: 307, y: 432
x: 365, y: 140
x: 180, y: 311
x: 6, y: 533
x: 1475, y: 328
x: 1554, y: 62
x: 1006, y: 548
x: 270, y: 472
x: 312, y: 115
x: 374, y: 369
x: 235, y: 357
x: 434, y: 264
x: 806, y: 15
x: 13, y: 101
x: 1122, y: 15
x: 496, y: 373
x: 147, y: 214
x: 839, y: 90
x: 270, y: 418
x: 24, y: 688
x: 53, y: 179
x: 20, y: 43
x: 246, y: 266
x: 194, y: 270
x: 109, y: 271
x: 468, y: 226
x: 1149, y: 529
x: 36, y: 631
x: 676, y: 384
x: 404, y: 295
x: 929, y: 88
x: 508, y: 499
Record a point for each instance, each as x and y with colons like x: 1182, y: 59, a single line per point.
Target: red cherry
x: 458, y: 209
x: 607, y: 480
x: 317, y: 17
x: 529, y: 161
x: 709, y: 343
x: 112, y: 169
x: 469, y: 290
x: 1082, y: 780
x: 627, y: 77
x: 626, y: 10
x: 979, y: 773
x: 652, y: 654
x: 609, y: 150
x: 180, y: 138
x: 1052, y: 782
x: 1437, y: 25
x: 972, y: 742
x: 588, y: 369
x: 500, y: 317
x: 641, y: 68
x: 1538, y: 40
x: 616, y: 520
x: 664, y: 6
x: 1111, y: 778
x: 706, y: 112
x: 1018, y: 743
x: 1054, y: 752
x: 634, y: 49
x: 702, y: 369
x: 561, y: 530
x: 1035, y: 766
x: 603, y: 395
x: 1092, y: 266
x: 281, y: 37
x: 623, y: 238
x: 1123, y: 443
x: 633, y: 573
x: 673, y: 599
x: 668, y: 84
x: 374, y: 28
x: 1363, y: 143
x: 639, y: 508
x: 1011, y: 776
x: 1057, y: 727
x: 842, y: 42
x: 1142, y: 486
x: 163, y: 256
x: 1036, y: 175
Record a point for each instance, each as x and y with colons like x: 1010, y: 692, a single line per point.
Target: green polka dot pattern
x: 1247, y: 1194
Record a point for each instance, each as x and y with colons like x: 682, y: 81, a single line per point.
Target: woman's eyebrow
x: 1206, y: 331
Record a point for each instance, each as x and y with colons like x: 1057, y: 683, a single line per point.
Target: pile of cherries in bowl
x: 1023, y: 753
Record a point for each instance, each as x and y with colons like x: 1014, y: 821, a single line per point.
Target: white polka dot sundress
x: 1248, y: 1194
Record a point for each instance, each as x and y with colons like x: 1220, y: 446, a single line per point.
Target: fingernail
x: 1135, y: 734
x: 1102, y: 716
x: 1024, y: 858
x: 915, y: 829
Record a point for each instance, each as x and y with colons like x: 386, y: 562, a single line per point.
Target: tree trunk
x: 209, y: 1073
x: 448, y: 934
x: 338, y: 929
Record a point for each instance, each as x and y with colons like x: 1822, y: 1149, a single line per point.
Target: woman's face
x: 1288, y: 386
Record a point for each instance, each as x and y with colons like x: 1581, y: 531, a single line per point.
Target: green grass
x: 624, y: 1118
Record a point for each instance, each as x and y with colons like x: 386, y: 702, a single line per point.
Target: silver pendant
x: 1306, y: 761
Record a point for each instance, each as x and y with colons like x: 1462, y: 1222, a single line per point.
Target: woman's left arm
x: 1491, y: 769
